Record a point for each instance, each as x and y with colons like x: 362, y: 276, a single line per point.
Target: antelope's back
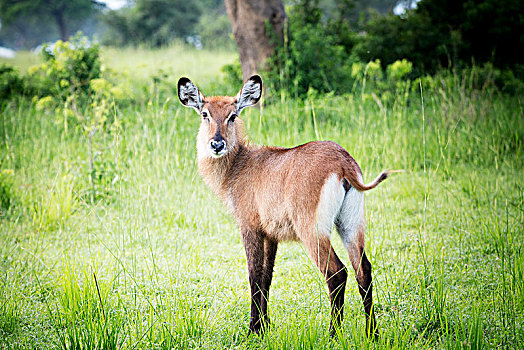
x: 278, y: 188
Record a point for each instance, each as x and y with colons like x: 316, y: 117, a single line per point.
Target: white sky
x: 114, y: 4
x: 400, y: 8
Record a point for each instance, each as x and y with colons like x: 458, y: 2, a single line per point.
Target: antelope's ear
x: 250, y: 93
x: 189, y: 95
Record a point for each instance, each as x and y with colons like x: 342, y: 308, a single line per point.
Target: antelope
x: 278, y: 194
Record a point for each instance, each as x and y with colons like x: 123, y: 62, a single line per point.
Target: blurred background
x: 312, y: 42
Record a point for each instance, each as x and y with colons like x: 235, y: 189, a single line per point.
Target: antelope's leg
x: 362, y: 267
x: 270, y: 251
x: 351, y: 226
x: 254, y: 246
x: 335, y: 273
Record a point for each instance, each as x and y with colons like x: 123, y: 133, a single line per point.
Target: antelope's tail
x: 355, y: 182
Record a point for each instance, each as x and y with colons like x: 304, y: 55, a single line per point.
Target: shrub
x: 11, y: 83
x: 73, y: 90
x: 312, y: 57
x: 68, y: 68
x: 447, y: 33
x: 398, y: 70
x: 233, y: 73
x: 324, y: 51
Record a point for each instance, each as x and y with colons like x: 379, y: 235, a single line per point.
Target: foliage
x: 447, y: 33
x: 316, y: 59
x: 399, y: 69
x: 152, y: 22
x: 322, y: 50
x: 392, y: 37
x: 233, y: 72
x: 21, y: 17
x: 355, y: 13
x: 73, y: 91
x: 11, y: 83
x: 214, y: 30
x: 68, y: 68
x: 310, y: 57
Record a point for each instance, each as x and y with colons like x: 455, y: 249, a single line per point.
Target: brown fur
x: 274, y: 194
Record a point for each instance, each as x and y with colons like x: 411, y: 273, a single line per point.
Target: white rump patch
x: 351, y: 216
x: 249, y: 95
x: 330, y: 203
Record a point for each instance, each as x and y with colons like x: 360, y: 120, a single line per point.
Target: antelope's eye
x: 232, y: 117
x: 205, y: 115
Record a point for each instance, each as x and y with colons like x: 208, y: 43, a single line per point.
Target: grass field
x: 157, y: 262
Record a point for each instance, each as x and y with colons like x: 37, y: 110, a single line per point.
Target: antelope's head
x: 219, y: 130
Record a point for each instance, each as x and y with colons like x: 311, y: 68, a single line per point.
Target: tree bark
x: 61, y: 24
x: 255, y: 42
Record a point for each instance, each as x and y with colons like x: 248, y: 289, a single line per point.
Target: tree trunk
x: 254, y: 40
x: 61, y: 24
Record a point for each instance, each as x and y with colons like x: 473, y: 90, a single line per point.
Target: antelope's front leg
x: 254, y: 246
x: 270, y: 251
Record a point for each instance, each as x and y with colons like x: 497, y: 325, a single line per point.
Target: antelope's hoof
x: 255, y: 328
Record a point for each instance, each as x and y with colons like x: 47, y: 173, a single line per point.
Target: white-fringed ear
x: 189, y: 95
x: 250, y: 93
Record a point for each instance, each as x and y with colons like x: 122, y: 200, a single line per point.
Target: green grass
x: 175, y: 60
x: 22, y: 60
x: 445, y: 237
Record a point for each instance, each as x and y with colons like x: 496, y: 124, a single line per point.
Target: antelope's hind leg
x: 350, y: 225
x: 362, y: 268
x: 335, y: 273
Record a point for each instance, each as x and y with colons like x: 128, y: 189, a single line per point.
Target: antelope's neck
x: 217, y: 171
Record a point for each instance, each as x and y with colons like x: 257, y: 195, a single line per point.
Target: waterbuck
x: 278, y: 194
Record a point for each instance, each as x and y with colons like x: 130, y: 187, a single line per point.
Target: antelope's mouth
x: 219, y: 154
x: 217, y: 148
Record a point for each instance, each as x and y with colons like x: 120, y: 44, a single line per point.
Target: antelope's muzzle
x: 217, y: 146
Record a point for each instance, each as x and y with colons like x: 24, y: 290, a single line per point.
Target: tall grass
x: 159, y: 263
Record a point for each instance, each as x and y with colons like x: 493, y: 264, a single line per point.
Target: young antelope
x: 278, y: 194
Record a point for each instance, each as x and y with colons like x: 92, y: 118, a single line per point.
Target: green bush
x: 68, y: 68
x: 323, y: 52
x: 390, y: 38
x: 233, y: 73
x: 11, y: 83
x: 447, y: 33
x: 311, y: 57
x: 75, y: 90
x: 398, y: 70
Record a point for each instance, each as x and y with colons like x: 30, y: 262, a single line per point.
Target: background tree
x: 257, y: 26
x: 443, y: 33
x: 214, y: 26
x: 155, y: 22
x: 68, y: 15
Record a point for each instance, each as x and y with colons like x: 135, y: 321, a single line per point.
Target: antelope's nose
x: 217, y: 146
